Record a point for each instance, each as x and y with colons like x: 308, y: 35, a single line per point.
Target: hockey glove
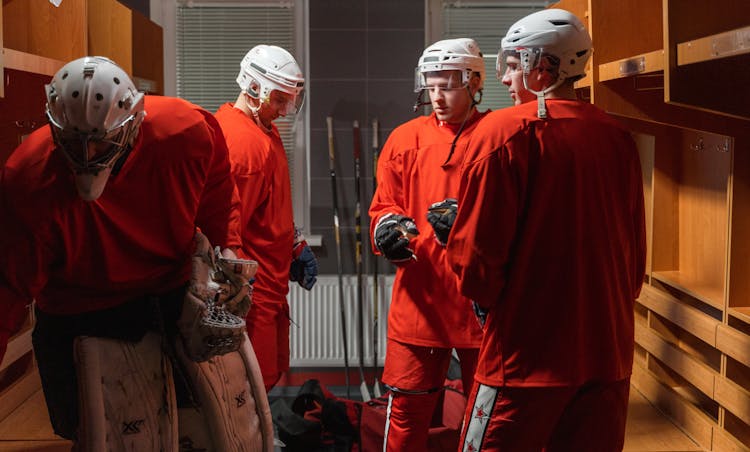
x: 480, y: 312
x: 392, y: 235
x: 304, y: 268
x: 441, y: 216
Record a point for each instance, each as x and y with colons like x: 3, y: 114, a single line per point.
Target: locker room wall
x: 362, y: 59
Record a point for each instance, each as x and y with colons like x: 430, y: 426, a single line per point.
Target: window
x: 212, y: 38
x: 487, y: 22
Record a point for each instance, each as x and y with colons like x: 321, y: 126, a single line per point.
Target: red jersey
x: 136, y: 239
x: 426, y: 307
x: 550, y: 237
x: 261, y: 171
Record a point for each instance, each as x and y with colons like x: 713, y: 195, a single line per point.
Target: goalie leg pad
x: 234, y: 414
x: 127, y: 398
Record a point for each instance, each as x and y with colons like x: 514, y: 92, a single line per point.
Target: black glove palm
x: 392, y: 237
x: 441, y: 216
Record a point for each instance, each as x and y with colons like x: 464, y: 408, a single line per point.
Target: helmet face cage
x: 265, y: 69
x: 92, y: 100
x: 530, y: 59
x: 110, y: 146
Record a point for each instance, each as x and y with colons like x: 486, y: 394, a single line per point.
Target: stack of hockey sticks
x: 357, y: 150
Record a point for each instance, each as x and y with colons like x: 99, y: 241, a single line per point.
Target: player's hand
x: 392, y: 235
x: 441, y: 216
x: 304, y: 268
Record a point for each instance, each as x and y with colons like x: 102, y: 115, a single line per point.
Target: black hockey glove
x: 480, y: 312
x: 441, y: 216
x: 392, y: 235
x: 304, y: 268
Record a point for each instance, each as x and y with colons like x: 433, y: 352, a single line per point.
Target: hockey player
x: 272, y: 86
x: 99, y: 213
x: 417, y: 186
x: 549, y: 241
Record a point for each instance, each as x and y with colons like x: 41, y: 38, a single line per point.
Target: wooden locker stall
x: 677, y: 74
x: 37, y: 39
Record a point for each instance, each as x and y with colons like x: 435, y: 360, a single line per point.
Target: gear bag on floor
x: 318, y: 421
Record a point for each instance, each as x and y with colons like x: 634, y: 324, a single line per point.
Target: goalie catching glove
x: 216, y: 302
x: 392, y: 235
x: 441, y: 216
x: 304, y: 267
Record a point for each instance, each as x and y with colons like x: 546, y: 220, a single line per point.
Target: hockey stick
x: 375, y: 279
x: 358, y: 262
x: 337, y: 234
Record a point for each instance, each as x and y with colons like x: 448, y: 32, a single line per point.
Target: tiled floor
x: 28, y: 430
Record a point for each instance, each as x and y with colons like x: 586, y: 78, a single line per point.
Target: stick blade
x: 376, y: 391
x: 364, y: 391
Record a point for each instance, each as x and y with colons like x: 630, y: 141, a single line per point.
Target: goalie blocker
x: 127, y: 389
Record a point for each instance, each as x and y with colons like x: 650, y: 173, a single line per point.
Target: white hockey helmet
x: 95, y: 111
x: 459, y: 54
x: 551, y: 32
x: 266, y: 68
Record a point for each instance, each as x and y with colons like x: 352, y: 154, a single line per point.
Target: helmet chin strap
x: 541, y: 106
x: 254, y: 110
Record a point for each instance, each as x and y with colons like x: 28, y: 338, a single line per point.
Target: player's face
x: 276, y: 106
x: 449, y: 97
x: 513, y: 79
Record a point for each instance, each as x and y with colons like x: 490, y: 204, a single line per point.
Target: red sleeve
x: 389, y: 194
x: 480, y: 240
x: 219, y: 210
x: 23, y: 270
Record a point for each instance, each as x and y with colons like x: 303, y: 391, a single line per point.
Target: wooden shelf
x: 690, y: 319
x: 692, y: 187
x: 148, y: 54
x: 734, y: 398
x: 706, y: 45
x: 724, y: 441
x: 584, y: 82
x: 721, y: 45
x: 741, y: 313
x: 698, y: 374
x: 645, y: 63
x: 29, y: 422
x: 697, y: 424
x: 22, y: 61
x: 36, y: 27
x: 18, y: 345
x: 16, y: 394
x: 707, y: 293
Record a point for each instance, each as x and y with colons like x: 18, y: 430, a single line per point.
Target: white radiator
x: 315, y: 336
